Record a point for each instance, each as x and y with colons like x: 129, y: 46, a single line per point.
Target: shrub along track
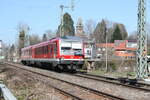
x: 70, y: 89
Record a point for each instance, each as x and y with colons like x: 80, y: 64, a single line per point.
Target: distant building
x: 80, y: 28
x: 125, y: 48
x: 89, y: 49
x: 101, y: 49
x: 120, y: 48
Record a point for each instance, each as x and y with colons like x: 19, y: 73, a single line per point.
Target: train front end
x: 71, y: 53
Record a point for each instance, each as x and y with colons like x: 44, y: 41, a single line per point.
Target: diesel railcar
x: 61, y: 53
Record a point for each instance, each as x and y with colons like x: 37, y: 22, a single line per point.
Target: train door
x: 55, y: 50
x: 51, y: 50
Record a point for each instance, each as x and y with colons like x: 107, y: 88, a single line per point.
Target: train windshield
x: 66, y: 50
x: 71, y: 48
x: 70, y: 51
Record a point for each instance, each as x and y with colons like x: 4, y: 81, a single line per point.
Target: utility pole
x: 106, y: 50
x: 142, y: 41
x: 61, y: 17
x: 106, y: 55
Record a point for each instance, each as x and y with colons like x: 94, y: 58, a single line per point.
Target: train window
x: 36, y: 51
x: 77, y: 51
x: 45, y: 49
x: 30, y: 52
x: 51, y: 49
x: 55, y: 49
x: 42, y: 50
x: 66, y: 50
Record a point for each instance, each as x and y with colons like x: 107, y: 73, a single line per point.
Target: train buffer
x: 5, y: 93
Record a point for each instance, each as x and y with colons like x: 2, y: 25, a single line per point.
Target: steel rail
x: 80, y: 86
x: 109, y: 80
x: 112, y: 78
x: 59, y: 90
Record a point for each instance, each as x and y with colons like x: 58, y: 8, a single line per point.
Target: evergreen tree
x: 44, y: 37
x: 123, y: 31
x: 67, y: 27
x: 116, y: 34
x: 100, y: 32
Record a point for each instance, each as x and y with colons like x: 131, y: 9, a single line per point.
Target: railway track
x: 129, y: 83
x: 85, y: 91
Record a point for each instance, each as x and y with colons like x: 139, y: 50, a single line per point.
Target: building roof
x: 124, y: 54
x: 109, y: 45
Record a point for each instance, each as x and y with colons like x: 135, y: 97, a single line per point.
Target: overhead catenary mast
x: 62, y: 11
x: 142, y: 41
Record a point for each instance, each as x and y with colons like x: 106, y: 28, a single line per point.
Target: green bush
x: 101, y: 65
x: 113, y: 66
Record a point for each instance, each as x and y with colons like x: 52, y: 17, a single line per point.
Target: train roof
x: 71, y: 38
x: 65, y: 38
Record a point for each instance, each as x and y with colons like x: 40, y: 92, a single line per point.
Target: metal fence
x: 5, y: 93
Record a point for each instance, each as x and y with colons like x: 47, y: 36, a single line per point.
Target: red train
x: 65, y: 53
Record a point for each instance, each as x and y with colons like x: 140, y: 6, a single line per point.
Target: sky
x: 43, y: 15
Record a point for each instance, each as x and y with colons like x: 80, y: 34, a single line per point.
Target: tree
x: 34, y: 39
x: 5, y: 51
x: 109, y: 34
x: 133, y: 36
x: 89, y: 27
x: 11, y: 52
x: 123, y: 31
x: 116, y: 34
x: 44, y: 38
x: 67, y: 27
x: 12, y: 49
x: 23, y: 29
x: 50, y: 34
x: 100, y: 32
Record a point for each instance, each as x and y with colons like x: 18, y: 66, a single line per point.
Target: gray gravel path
x: 116, y: 90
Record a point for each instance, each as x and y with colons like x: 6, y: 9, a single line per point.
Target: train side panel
x: 60, y: 53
